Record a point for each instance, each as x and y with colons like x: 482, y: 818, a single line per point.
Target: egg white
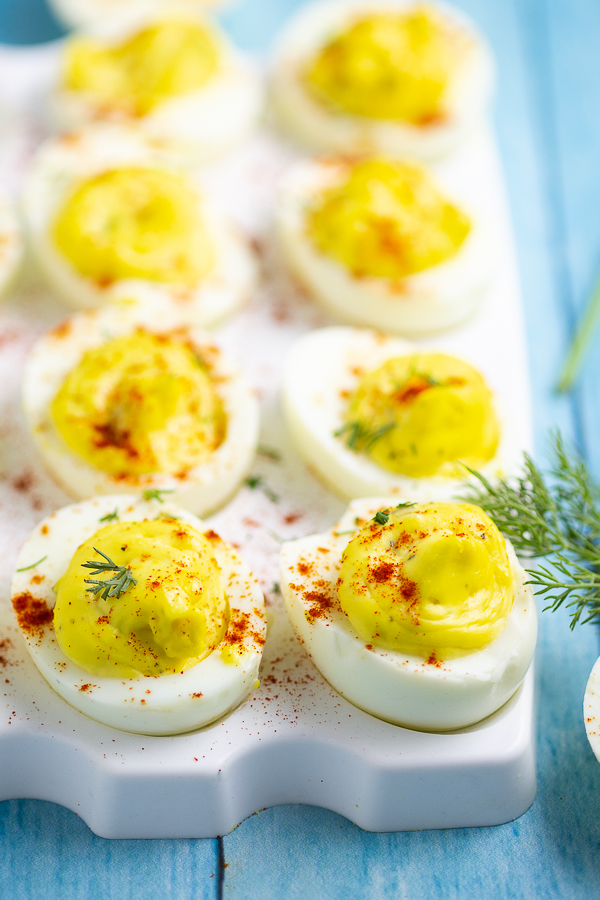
x: 63, y: 163
x: 322, y: 129
x: 200, y: 124
x: 11, y: 246
x: 322, y: 370
x: 432, y: 300
x: 203, y: 488
x: 400, y: 688
x: 82, y: 13
x: 168, y: 704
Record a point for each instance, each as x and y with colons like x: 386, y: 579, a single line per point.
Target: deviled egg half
x: 174, y: 75
x: 82, y: 13
x: 11, y: 245
x: 383, y: 242
x: 392, y: 76
x: 375, y: 415
x: 138, y: 615
x: 108, y: 206
x: 127, y: 400
x: 418, y: 613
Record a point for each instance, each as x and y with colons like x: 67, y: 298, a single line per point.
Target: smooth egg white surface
x: 82, y: 13
x: 322, y: 370
x: 11, y: 246
x: 63, y: 163
x: 199, y: 124
x: 400, y: 688
x: 168, y: 704
x: 322, y: 129
x: 432, y: 300
x: 201, y: 489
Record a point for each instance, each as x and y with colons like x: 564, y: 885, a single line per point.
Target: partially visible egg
x: 375, y: 415
x: 11, y: 246
x: 390, y: 76
x: 127, y: 400
x: 419, y: 614
x: 83, y: 13
x: 174, y: 74
x: 175, y: 644
x: 108, y: 206
x: 384, y: 243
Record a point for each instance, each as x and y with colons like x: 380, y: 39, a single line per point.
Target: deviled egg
x: 138, y: 615
x: 108, y: 206
x: 127, y: 400
x: 375, y: 415
x: 419, y: 614
x: 388, y: 76
x: 382, y: 242
x: 174, y: 75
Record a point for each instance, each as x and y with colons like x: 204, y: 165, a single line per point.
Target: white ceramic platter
x: 295, y: 740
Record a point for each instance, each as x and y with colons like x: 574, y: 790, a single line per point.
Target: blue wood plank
x: 47, y: 851
x: 575, y: 76
x: 27, y: 22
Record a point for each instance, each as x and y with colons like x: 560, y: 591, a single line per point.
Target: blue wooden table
x: 548, y: 122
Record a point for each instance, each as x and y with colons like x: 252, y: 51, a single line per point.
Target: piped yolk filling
x: 434, y: 580
x: 140, y: 404
x: 386, y: 219
x: 419, y: 415
x: 135, y: 223
x: 390, y: 66
x: 173, y: 616
x: 133, y: 77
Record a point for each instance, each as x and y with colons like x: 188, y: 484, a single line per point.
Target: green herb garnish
x: 359, y: 437
x: 256, y: 481
x: 583, y: 335
x: 558, y: 517
x: 33, y: 565
x: 110, y: 517
x: 381, y: 517
x: 156, y: 494
x: 112, y: 587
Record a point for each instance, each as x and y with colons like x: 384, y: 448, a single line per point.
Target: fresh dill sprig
x: 33, y: 565
x: 156, y: 494
x: 558, y: 517
x: 111, y: 516
x: 358, y: 437
x: 382, y: 517
x: 112, y: 587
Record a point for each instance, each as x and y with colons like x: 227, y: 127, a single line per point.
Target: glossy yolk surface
x: 434, y: 580
x: 389, y: 66
x: 417, y: 415
x: 131, y: 78
x: 138, y: 404
x: 134, y: 223
x: 386, y: 219
x: 171, y: 618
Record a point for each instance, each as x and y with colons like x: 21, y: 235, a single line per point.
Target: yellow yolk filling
x: 386, y: 219
x: 139, y: 404
x: 417, y: 415
x: 434, y: 580
x: 390, y: 66
x: 173, y: 617
x: 131, y: 78
x: 135, y: 223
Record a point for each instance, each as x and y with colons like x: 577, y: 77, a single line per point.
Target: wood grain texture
x: 548, y: 122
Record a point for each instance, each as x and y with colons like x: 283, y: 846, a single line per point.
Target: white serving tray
x: 295, y: 740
